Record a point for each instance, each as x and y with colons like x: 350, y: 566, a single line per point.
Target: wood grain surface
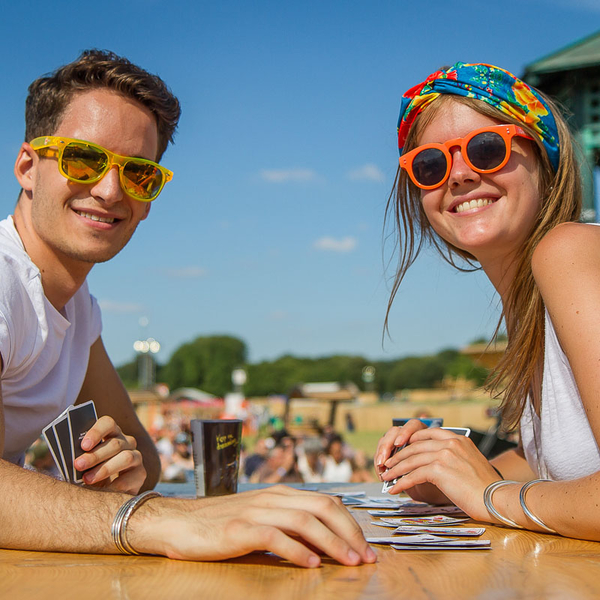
x: 520, y: 565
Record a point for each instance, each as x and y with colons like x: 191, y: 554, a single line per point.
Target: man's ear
x: 147, y: 211
x: 25, y: 166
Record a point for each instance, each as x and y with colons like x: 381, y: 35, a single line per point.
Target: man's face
x: 91, y: 223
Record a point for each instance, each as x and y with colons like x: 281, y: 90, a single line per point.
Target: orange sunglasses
x: 485, y: 150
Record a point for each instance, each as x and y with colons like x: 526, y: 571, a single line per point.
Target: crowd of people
x: 278, y: 457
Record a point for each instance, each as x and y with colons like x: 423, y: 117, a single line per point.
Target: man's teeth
x: 470, y: 204
x: 95, y: 217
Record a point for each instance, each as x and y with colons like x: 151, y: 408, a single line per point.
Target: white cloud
x: 186, y: 272
x: 278, y: 315
x: 327, y: 243
x: 120, y: 307
x: 285, y: 175
x: 368, y: 172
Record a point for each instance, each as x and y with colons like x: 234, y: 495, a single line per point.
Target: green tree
x: 205, y: 363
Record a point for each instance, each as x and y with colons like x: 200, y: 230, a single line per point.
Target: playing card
x: 445, y: 547
x: 388, y: 485
x: 427, y: 521
x: 52, y: 443
x: 407, y: 511
x: 80, y: 418
x: 63, y: 437
x: 428, y: 541
x: 457, y: 531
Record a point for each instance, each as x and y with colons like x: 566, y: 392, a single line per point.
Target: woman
x: 487, y: 174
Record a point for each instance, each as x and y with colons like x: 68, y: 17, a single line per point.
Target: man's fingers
x: 105, y: 450
x: 123, y: 461
x: 104, y: 427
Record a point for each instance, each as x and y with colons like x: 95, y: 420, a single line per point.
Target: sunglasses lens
x: 81, y: 162
x: 429, y: 166
x: 142, y: 180
x: 486, y: 150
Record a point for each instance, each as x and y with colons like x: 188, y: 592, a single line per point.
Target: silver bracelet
x: 119, y: 525
x: 525, y: 508
x: 487, y: 500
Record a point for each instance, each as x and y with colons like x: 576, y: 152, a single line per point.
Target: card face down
x: 52, y: 443
x: 81, y: 418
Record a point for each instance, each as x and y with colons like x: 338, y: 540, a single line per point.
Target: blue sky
x: 271, y: 229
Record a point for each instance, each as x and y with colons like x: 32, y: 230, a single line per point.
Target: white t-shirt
x: 335, y: 472
x: 44, y: 352
x: 561, y: 444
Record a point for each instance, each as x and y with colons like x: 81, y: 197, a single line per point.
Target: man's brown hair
x: 50, y: 95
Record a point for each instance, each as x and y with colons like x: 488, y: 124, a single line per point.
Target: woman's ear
x: 25, y: 165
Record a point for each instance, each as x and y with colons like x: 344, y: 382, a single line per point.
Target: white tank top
x: 559, y: 444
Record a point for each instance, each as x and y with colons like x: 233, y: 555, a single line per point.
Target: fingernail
x: 370, y: 553
x: 353, y: 556
x: 86, y: 444
x: 398, y: 441
x: 314, y: 561
x: 80, y: 464
x: 379, y: 460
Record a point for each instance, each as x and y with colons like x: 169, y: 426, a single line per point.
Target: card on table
x: 426, y: 521
x: 411, y: 511
x: 427, y: 540
x: 457, y: 531
x: 81, y: 418
x: 431, y: 547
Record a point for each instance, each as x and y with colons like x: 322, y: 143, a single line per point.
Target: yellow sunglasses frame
x: 48, y: 141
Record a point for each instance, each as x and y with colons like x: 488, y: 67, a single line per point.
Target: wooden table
x: 520, y: 565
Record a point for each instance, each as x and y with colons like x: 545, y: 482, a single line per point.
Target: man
x: 95, y: 130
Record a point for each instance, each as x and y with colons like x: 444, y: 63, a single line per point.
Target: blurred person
x: 257, y: 458
x: 180, y: 462
x: 337, y: 467
x: 280, y: 466
x: 311, y: 461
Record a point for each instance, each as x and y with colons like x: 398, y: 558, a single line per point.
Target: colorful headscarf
x: 490, y: 84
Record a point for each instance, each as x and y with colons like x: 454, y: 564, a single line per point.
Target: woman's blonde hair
x: 523, y: 313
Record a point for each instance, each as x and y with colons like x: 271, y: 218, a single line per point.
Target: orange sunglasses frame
x: 506, y: 132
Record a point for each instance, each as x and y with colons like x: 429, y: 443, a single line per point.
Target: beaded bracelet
x: 119, y: 525
x: 487, y: 500
x: 525, y: 508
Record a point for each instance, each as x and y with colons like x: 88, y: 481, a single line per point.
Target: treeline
x: 207, y: 363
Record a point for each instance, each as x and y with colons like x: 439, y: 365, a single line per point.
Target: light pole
x: 146, y: 364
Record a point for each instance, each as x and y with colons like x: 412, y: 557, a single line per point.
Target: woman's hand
x: 395, y: 437
x: 450, y: 462
x: 111, y: 460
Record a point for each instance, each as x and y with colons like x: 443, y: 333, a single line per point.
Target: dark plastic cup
x: 216, y: 449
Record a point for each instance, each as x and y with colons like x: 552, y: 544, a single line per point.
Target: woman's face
x: 487, y: 215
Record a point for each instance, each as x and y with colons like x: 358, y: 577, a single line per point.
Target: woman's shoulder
x: 569, y: 246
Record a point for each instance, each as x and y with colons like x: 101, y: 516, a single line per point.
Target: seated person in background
x: 337, y: 467
x: 311, y: 460
x: 280, y: 466
x: 88, y: 171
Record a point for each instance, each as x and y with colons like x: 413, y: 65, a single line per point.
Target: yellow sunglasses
x: 85, y: 162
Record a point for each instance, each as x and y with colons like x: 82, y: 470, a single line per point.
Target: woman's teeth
x: 470, y: 204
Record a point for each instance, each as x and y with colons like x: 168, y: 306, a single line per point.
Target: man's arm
x: 103, y: 385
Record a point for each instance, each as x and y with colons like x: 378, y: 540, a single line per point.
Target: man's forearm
x: 38, y: 512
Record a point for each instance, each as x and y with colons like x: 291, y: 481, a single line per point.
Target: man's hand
x: 111, y: 460
x: 282, y: 520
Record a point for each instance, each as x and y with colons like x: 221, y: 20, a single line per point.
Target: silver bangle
x: 119, y: 525
x: 487, y: 500
x: 525, y: 508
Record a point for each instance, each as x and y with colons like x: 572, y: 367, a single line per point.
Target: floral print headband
x: 492, y: 85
